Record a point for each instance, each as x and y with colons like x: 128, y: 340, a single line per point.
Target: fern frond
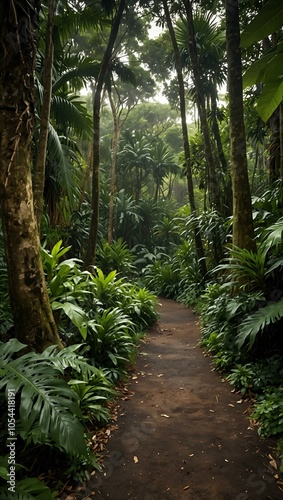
x: 69, y: 358
x: 46, y: 401
x: 257, y: 322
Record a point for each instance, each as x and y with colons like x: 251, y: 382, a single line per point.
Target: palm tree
x: 135, y: 160
x: 162, y: 164
x: 210, y: 41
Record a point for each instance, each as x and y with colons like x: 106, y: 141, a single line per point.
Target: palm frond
x: 69, y: 358
x: 273, y: 238
x: 69, y: 21
x: 82, y: 72
x: 46, y: 401
x: 257, y: 322
x: 70, y: 113
x: 59, y: 157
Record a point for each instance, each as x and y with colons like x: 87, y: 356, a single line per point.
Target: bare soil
x: 182, y: 434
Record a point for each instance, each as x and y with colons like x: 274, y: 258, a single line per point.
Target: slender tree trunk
x: 116, y: 133
x: 227, y: 207
x: 274, y: 147
x: 39, y: 167
x: 243, y: 230
x: 33, y: 319
x: 213, y: 184
x: 281, y: 140
x: 178, y: 65
x: 92, y: 242
x: 86, y: 178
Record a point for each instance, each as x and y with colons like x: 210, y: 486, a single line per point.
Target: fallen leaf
x: 273, y: 464
x: 136, y: 459
x: 185, y: 488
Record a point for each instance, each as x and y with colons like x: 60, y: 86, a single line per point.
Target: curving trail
x: 183, y: 434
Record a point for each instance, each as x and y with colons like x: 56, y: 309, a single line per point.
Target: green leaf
x: 255, y: 73
x: 256, y: 322
x: 46, y: 401
x: 269, y: 20
x: 76, y: 314
x: 269, y: 99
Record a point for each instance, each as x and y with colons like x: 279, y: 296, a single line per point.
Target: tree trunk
x: 213, y: 184
x: 281, y: 140
x: 243, y: 230
x: 92, y: 242
x: 39, y: 167
x: 178, y: 66
x: 116, y: 133
x: 33, y: 319
x: 274, y: 147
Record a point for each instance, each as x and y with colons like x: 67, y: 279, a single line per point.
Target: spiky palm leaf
x: 70, y: 113
x: 257, y: 322
x: 46, y: 402
x: 273, y: 239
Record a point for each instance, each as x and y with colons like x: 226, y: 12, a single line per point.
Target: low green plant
x: 115, y: 257
x: 162, y: 278
x: 140, y: 305
x: 242, y: 377
x: 93, y: 396
x: 25, y: 489
x: 110, y: 340
x: 268, y: 411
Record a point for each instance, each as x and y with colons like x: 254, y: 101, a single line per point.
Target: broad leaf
x: 46, y: 401
x: 270, y: 99
x: 269, y: 20
x: 256, y: 322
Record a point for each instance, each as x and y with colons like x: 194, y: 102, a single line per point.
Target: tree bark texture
x: 92, y: 241
x: 243, y: 230
x: 33, y: 318
x: 178, y: 66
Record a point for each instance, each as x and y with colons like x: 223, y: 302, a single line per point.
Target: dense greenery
x: 134, y: 198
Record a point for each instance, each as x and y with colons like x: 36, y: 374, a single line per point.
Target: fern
x: 46, y: 402
x: 28, y: 489
x: 258, y: 321
x: 69, y: 358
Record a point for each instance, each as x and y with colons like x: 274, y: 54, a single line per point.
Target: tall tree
x: 192, y: 49
x: 243, y: 231
x: 33, y: 319
x: 178, y: 66
x: 92, y: 241
x: 39, y: 167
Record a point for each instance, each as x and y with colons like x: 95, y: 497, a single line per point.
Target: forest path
x: 182, y: 434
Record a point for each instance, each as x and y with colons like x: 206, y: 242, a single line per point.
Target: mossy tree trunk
x: 243, y: 230
x: 33, y: 318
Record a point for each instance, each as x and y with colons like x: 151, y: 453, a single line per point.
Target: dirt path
x: 183, y: 434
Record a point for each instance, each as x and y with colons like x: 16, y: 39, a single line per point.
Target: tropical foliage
x: 139, y: 198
